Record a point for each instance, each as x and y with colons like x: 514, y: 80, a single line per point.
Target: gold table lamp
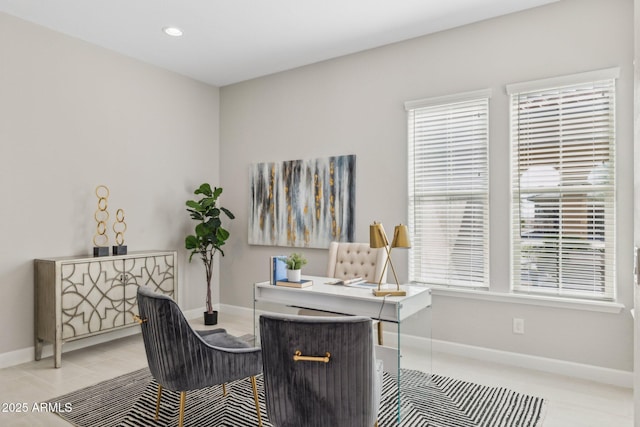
x: 378, y: 239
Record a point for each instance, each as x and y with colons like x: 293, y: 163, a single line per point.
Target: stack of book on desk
x: 277, y: 269
x: 301, y: 284
x: 278, y: 274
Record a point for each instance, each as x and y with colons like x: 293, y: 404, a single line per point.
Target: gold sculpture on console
x: 378, y: 239
x: 119, y: 227
x: 100, y: 239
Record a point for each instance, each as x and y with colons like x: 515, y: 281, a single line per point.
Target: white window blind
x: 563, y: 178
x: 448, y: 190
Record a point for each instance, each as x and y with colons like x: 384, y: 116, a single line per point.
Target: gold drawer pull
x: 139, y: 319
x: 297, y: 357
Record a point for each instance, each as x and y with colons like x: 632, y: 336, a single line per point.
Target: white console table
x: 78, y: 297
x: 349, y: 300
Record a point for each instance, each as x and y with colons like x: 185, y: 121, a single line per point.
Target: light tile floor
x: 569, y: 402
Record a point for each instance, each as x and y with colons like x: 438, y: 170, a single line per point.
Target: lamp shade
x: 377, y: 236
x: 401, y: 237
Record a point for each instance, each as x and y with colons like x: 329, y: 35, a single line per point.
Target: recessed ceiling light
x: 172, y: 31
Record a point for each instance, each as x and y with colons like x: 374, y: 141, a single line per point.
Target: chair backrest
x: 176, y: 354
x: 349, y: 260
x: 340, y: 393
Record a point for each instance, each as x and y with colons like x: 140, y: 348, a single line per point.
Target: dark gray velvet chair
x: 340, y: 386
x: 182, y: 359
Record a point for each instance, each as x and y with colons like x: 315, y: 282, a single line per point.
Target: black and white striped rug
x: 437, y: 401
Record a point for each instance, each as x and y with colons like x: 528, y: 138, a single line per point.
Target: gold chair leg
x: 224, y: 389
x: 158, y: 401
x: 183, y: 399
x: 255, y: 398
x: 380, y: 332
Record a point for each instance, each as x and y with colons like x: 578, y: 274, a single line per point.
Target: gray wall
x: 73, y: 116
x: 354, y: 105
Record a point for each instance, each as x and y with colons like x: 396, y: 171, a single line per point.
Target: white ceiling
x: 227, y: 41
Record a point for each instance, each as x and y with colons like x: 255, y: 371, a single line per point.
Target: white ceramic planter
x: 294, y: 275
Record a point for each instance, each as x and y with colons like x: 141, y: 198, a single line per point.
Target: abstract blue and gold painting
x: 302, y: 203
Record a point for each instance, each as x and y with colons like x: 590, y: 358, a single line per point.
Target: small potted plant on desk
x: 295, y: 262
x: 208, y: 238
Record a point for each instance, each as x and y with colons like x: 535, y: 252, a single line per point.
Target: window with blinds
x: 448, y: 190
x: 563, y: 186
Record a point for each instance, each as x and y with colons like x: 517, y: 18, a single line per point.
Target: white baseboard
x: 242, y: 312
x: 17, y: 357
x: 560, y: 367
x: 26, y: 355
x: 554, y: 366
x: 194, y: 313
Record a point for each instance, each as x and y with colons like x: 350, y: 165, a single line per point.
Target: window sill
x: 528, y: 299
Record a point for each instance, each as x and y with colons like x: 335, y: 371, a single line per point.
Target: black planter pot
x: 211, y: 318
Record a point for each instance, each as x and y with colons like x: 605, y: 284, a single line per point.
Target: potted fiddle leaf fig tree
x: 209, y: 236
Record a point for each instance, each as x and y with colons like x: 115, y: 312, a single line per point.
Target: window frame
x: 482, y: 194
x: 564, y: 189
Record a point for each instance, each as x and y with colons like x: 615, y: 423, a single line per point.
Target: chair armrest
x: 224, y: 340
x: 211, y: 331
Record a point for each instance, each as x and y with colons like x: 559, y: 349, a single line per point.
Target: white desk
x: 350, y: 300
x: 353, y: 301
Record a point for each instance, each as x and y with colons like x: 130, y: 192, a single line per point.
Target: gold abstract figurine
x: 119, y: 227
x: 100, y: 239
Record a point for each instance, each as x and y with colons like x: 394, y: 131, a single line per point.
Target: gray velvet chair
x: 335, y: 381
x: 182, y: 359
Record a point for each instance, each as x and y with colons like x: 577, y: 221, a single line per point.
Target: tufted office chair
x: 320, y: 371
x: 349, y: 260
x: 182, y: 359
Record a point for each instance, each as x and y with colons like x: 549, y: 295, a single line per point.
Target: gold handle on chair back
x: 139, y: 319
x: 298, y: 357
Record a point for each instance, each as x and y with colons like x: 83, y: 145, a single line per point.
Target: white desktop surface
x: 346, y: 299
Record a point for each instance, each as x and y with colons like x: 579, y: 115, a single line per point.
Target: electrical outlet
x: 518, y: 326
